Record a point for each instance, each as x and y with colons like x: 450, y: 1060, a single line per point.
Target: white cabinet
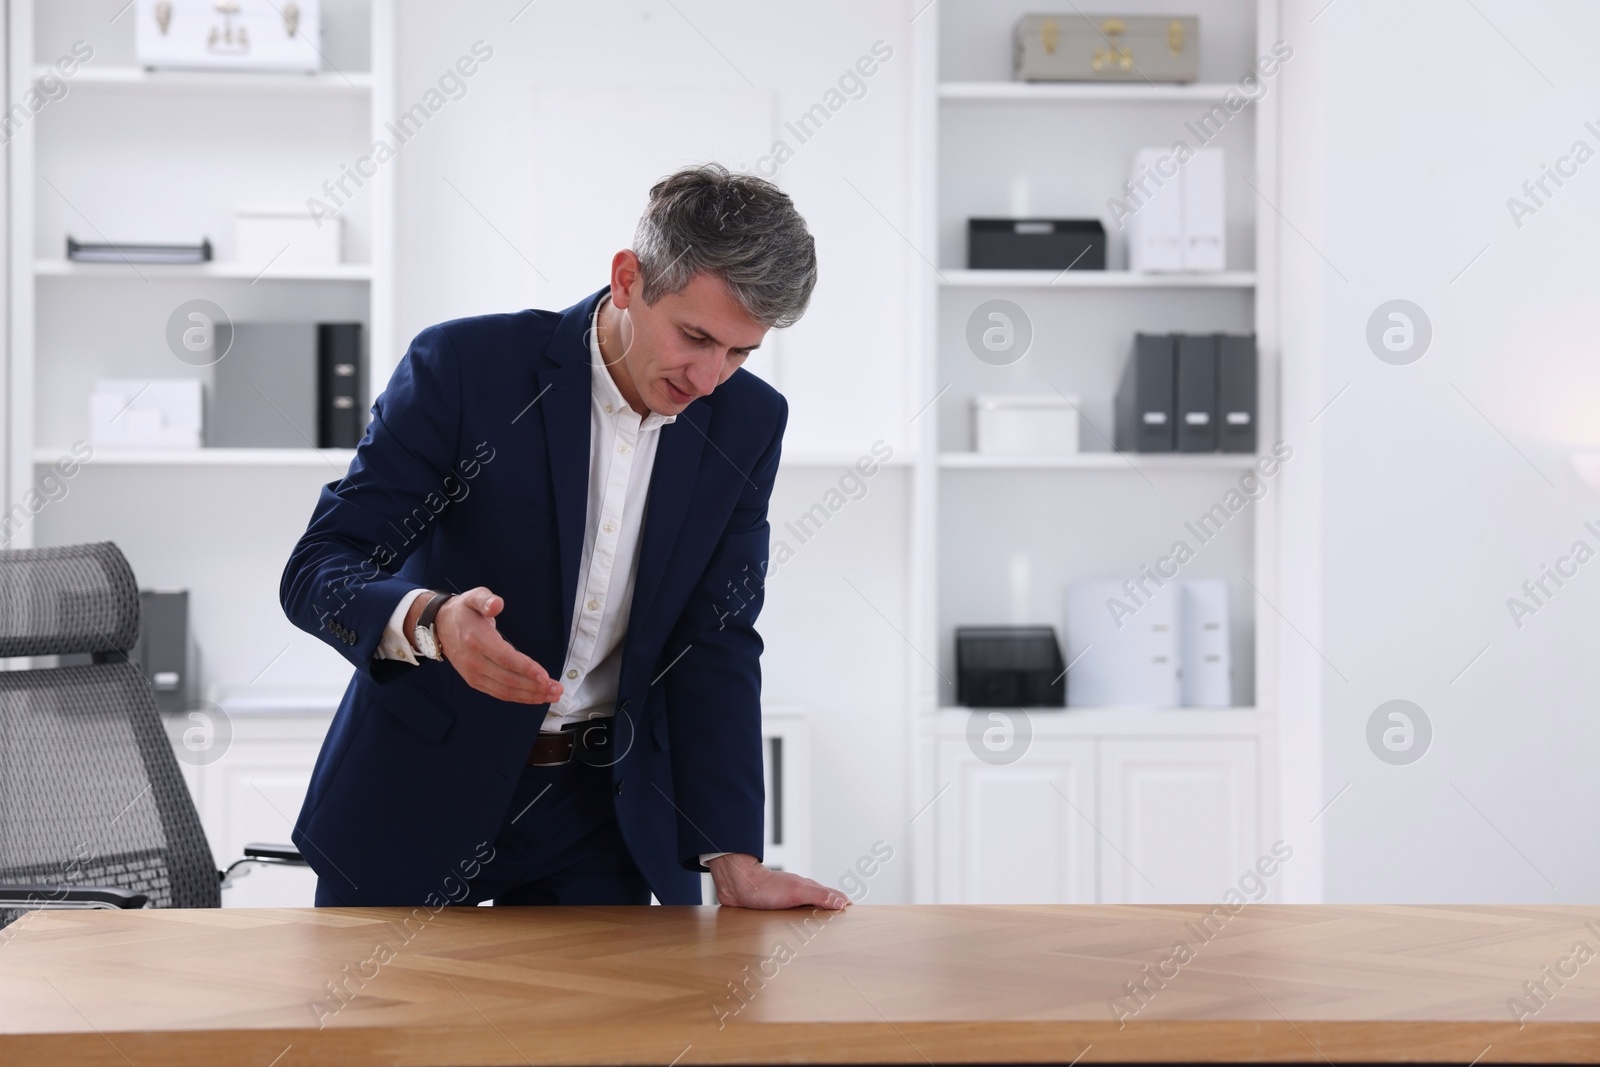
x: 252, y: 791
x: 1020, y: 833
x: 1103, y: 807
x: 254, y: 794
x: 1183, y: 814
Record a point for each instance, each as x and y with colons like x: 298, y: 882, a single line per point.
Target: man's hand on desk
x: 742, y: 882
x: 470, y: 641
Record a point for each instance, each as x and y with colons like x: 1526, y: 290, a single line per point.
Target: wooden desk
x: 874, y: 984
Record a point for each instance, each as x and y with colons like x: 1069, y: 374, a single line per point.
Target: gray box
x: 264, y: 391
x: 1076, y: 47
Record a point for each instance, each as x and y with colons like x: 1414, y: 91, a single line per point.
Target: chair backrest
x: 90, y: 791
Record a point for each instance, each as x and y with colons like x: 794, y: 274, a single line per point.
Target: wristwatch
x: 423, y: 637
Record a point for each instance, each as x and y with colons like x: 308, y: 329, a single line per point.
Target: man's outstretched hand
x: 471, y: 643
x: 742, y: 882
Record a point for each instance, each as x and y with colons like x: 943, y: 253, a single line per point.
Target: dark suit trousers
x: 559, y: 844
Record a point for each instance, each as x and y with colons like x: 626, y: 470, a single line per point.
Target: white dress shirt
x: 622, y: 455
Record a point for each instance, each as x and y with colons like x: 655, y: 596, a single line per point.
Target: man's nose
x: 704, y: 374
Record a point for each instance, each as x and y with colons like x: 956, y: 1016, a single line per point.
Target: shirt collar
x: 605, y: 389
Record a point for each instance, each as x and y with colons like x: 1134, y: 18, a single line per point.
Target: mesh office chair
x: 94, y: 812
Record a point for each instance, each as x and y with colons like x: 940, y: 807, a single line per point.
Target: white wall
x: 1448, y: 482
x: 633, y: 89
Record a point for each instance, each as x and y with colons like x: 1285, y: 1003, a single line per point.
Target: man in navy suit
x: 545, y: 563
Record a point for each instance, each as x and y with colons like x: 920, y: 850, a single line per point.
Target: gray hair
x: 746, y: 231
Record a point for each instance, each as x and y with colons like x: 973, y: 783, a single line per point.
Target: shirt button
x: 594, y: 605
x: 610, y: 527
x: 623, y: 449
x: 572, y: 674
x: 608, y: 409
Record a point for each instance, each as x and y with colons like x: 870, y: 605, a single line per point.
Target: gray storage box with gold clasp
x: 1073, y: 47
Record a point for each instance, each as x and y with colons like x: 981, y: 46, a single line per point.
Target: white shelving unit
x: 131, y: 155
x: 134, y: 155
x: 1132, y: 776
x: 41, y: 406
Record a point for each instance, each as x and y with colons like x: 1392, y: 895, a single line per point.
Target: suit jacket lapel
x: 671, y: 486
x: 566, y: 396
x: 566, y: 427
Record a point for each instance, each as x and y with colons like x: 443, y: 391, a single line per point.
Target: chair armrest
x: 257, y: 850
x: 69, y: 896
x: 258, y: 854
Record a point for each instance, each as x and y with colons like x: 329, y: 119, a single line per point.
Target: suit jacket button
x: 619, y: 789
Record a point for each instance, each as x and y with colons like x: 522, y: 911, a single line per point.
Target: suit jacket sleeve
x: 340, y: 582
x: 714, y: 690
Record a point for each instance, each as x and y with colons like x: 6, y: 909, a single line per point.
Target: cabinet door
x: 254, y: 793
x: 1179, y: 817
x: 1019, y: 833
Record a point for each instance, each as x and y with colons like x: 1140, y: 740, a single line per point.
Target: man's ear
x: 625, y: 278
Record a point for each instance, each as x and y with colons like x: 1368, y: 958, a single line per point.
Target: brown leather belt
x: 551, y: 749
x: 554, y: 749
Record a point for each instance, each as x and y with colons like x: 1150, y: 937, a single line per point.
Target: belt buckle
x: 591, y: 740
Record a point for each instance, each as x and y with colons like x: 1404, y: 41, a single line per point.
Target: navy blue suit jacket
x: 474, y: 471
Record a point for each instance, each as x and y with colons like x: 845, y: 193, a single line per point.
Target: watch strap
x: 430, y: 610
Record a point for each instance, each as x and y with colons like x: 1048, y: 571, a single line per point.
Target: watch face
x: 425, y: 642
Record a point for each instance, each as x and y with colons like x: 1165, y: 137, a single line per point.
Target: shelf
x: 841, y: 459
x: 1100, y: 461
x: 1095, y: 279
x: 220, y: 270
x: 274, y: 700
x: 205, y: 457
x: 206, y: 82
x: 1085, y: 92
x: 316, y: 457
x: 1117, y: 722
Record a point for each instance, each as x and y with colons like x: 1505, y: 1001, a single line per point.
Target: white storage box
x: 283, y: 35
x: 138, y: 413
x: 1033, y: 423
x: 1180, y: 224
x: 286, y: 237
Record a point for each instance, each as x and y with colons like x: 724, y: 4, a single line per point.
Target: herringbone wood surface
x: 874, y: 984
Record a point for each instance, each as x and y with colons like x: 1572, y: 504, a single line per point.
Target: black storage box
x: 1009, y: 667
x: 1036, y: 244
